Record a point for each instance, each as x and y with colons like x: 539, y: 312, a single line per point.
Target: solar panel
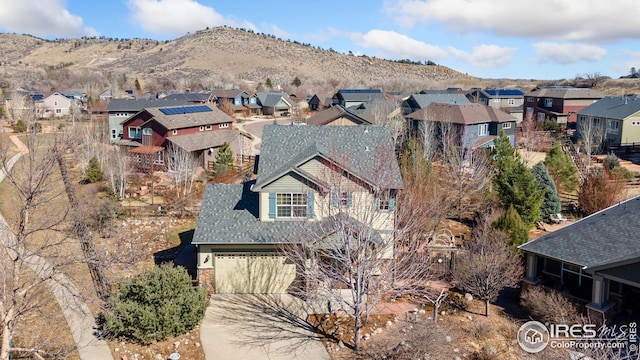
x: 185, y: 109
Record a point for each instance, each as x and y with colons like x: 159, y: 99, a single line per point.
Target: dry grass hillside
x: 226, y: 58
x: 218, y: 57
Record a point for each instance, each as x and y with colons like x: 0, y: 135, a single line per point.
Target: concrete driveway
x: 254, y: 327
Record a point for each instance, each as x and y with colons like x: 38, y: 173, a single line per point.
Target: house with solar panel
x: 509, y: 100
x: 198, y: 129
x: 558, y: 103
x: 307, y: 177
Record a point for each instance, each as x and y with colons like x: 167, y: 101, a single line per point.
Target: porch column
x: 599, y: 292
x: 531, y: 267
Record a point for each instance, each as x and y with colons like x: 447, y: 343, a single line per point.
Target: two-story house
x: 558, y: 103
x: 276, y: 103
x: 56, y: 105
x: 150, y: 131
x: 241, y: 102
x: 121, y: 109
x: 610, y: 122
x: 509, y: 100
x: 353, y: 97
x: 337, y: 115
x: 19, y: 102
x: 306, y: 177
x: 472, y: 125
x: 416, y: 102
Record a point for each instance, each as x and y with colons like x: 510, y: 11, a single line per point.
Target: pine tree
x: 296, y: 82
x: 511, y: 224
x: 562, y: 169
x: 514, y: 183
x: 268, y: 83
x: 551, y: 203
x: 94, y: 171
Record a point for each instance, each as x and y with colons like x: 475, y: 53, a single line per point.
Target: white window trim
x: 147, y: 131
x: 135, y: 129
x: 208, y: 127
x: 511, y: 102
x: 483, y: 129
x: 223, y: 125
x: 302, y: 208
x: 506, y: 125
x: 201, y: 128
x: 174, y: 132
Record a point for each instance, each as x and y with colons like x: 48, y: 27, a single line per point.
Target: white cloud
x: 177, y: 17
x: 568, y: 53
x: 485, y: 56
x: 569, y: 20
x: 398, y: 46
x: 42, y: 18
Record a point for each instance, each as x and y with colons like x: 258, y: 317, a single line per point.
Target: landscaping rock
x: 388, y: 323
x: 422, y: 312
x: 443, y: 313
x: 447, y: 338
x: 469, y: 317
x: 468, y: 297
x: 158, y: 357
x: 366, y: 337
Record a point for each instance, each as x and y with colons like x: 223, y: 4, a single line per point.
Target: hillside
x: 218, y: 57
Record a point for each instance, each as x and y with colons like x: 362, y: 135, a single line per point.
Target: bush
x: 94, y: 172
x: 155, y: 305
x: 20, y: 126
x: 549, y: 306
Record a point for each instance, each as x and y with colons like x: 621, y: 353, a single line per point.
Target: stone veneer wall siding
x: 206, y: 279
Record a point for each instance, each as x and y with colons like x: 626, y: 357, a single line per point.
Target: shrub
x: 94, y: 172
x: 549, y: 306
x: 20, y: 126
x: 155, y: 305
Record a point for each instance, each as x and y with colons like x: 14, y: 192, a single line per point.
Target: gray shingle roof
x: 606, y: 237
x: 367, y: 152
x: 335, y: 112
x: 271, y: 99
x: 363, y: 95
x: 465, y: 114
x: 424, y: 100
x: 565, y: 92
x: 132, y: 105
x: 191, y: 97
x: 614, y: 107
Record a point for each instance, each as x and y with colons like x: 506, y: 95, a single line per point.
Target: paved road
x: 254, y: 127
x: 74, y: 308
x: 259, y: 327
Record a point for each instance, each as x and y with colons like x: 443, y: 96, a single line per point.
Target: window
x: 146, y: 131
x: 596, y: 122
x: 174, y: 132
x: 208, y: 127
x: 341, y: 199
x: 291, y: 205
x: 159, y: 158
x: 58, y: 111
x: 134, y: 132
x: 385, y: 201
x: 223, y: 125
x: 511, y: 102
x: 613, y: 127
x: 541, y: 116
x: 530, y: 99
x: 483, y: 129
x: 506, y: 125
x: 201, y: 128
x: 114, y: 133
x: 55, y: 103
x: 635, y: 123
x: 548, y: 102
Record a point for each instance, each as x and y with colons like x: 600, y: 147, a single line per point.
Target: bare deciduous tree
x: 183, y: 166
x: 591, y: 134
x: 390, y: 113
x: 488, y: 265
x: 115, y: 168
x: 528, y: 140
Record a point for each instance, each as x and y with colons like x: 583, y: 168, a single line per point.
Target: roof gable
x: 335, y: 112
x: 615, y: 107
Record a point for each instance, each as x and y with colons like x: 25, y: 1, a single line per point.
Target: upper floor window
x: 291, y: 205
x: 341, y: 198
x: 506, y: 125
x: 58, y: 111
x: 385, y: 201
x: 55, y: 103
x: 511, y: 102
x: 548, y: 102
x: 134, y: 132
x: 223, y: 125
x: 208, y: 127
x: 530, y: 99
x: 201, y: 128
x: 483, y: 129
x: 596, y: 122
x: 613, y: 126
x: 146, y: 131
x: 174, y: 132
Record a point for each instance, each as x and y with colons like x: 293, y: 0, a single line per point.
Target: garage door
x: 254, y: 273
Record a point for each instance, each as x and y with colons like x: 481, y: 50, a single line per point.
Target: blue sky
x: 541, y: 39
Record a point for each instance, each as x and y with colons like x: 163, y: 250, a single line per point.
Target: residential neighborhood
x: 297, y: 217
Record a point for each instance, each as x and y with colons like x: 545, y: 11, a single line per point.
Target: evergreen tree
x: 511, y: 224
x: 562, y: 169
x: 94, y: 172
x: 268, y: 83
x: 137, y: 84
x: 514, y: 183
x: 225, y: 156
x: 296, y: 82
x: 551, y: 202
x: 157, y: 304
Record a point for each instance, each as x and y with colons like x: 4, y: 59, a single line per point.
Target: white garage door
x: 252, y: 273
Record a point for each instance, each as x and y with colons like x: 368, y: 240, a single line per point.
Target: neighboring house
x: 204, y: 146
x: 472, y: 125
x: 377, y: 110
x: 148, y: 131
x: 20, y: 101
x: 77, y: 95
x: 350, y: 97
x: 192, y: 97
x: 510, y: 100
x: 241, y: 101
x: 558, y: 103
x: 276, y: 103
x: 596, y: 259
x: 55, y: 105
x: 613, y: 120
x: 121, y: 109
x: 337, y: 115
x: 319, y: 103
x: 307, y: 175
x: 416, y: 102
x: 105, y: 95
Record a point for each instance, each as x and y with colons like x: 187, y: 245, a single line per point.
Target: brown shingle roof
x: 564, y: 92
x: 465, y: 114
x: 204, y: 140
x: 193, y: 119
x: 335, y: 112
